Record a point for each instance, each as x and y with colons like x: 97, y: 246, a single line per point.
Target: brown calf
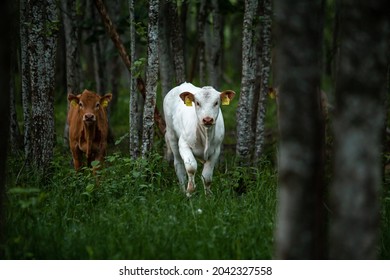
x: 88, y: 126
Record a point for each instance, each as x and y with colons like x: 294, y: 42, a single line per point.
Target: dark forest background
x: 306, y: 141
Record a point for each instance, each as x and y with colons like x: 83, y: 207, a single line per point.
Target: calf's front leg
x: 190, y: 165
x: 207, y: 173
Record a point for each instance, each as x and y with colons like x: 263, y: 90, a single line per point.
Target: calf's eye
x: 216, y: 104
x: 197, y: 103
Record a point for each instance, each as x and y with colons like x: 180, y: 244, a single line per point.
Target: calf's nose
x: 208, y: 121
x: 89, y: 117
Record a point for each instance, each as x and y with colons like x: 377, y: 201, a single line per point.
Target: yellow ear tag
x: 104, y: 103
x: 225, y: 100
x: 272, y: 94
x: 73, y: 103
x: 188, y: 101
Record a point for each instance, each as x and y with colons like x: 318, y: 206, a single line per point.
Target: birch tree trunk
x: 151, y: 79
x: 25, y: 74
x: 244, y: 148
x: 133, y: 106
x: 300, y: 223
x: 41, y: 51
x: 265, y: 70
x: 358, y: 125
x: 73, y: 73
x: 110, y: 28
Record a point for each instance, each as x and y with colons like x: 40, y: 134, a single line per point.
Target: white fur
x: 188, y: 138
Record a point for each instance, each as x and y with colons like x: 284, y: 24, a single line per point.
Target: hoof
x: 207, y: 192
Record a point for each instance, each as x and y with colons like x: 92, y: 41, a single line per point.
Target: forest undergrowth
x: 134, y: 209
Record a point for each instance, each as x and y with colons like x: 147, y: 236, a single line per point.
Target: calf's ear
x: 73, y: 99
x: 187, y: 97
x: 104, y: 100
x: 227, y: 96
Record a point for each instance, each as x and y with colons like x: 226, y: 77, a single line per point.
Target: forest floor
x: 134, y: 209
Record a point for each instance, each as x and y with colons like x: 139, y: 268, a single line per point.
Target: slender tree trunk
x: 133, y: 106
x: 183, y: 21
x: 165, y: 54
x: 125, y: 58
x: 215, y: 61
x: 176, y: 42
x: 265, y: 70
x: 73, y: 73
x: 25, y: 74
x: 99, y: 63
x: 300, y: 221
x: 114, y: 64
x: 41, y: 51
x: 151, y: 79
x: 201, y: 23
x: 358, y: 125
x: 244, y: 148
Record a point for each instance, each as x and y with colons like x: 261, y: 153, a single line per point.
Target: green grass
x: 135, y: 210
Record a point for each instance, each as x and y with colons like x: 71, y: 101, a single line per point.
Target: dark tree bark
x: 114, y: 64
x: 41, y: 17
x: 151, y: 79
x: 265, y: 70
x: 73, y: 73
x: 201, y: 51
x: 25, y: 74
x: 183, y: 24
x: 165, y: 54
x: 244, y: 147
x: 216, y: 48
x: 300, y: 224
x: 176, y: 40
x: 99, y: 62
x: 358, y: 125
x: 133, y: 106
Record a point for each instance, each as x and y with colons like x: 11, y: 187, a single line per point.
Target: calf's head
x: 89, y: 105
x: 207, y: 102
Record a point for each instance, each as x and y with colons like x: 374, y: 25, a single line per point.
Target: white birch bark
x: 42, y: 46
x: 265, y: 69
x: 244, y: 147
x: 151, y: 79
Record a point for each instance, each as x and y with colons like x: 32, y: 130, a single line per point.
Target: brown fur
x: 88, y: 126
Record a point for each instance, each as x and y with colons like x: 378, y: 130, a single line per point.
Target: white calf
x: 194, y: 131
